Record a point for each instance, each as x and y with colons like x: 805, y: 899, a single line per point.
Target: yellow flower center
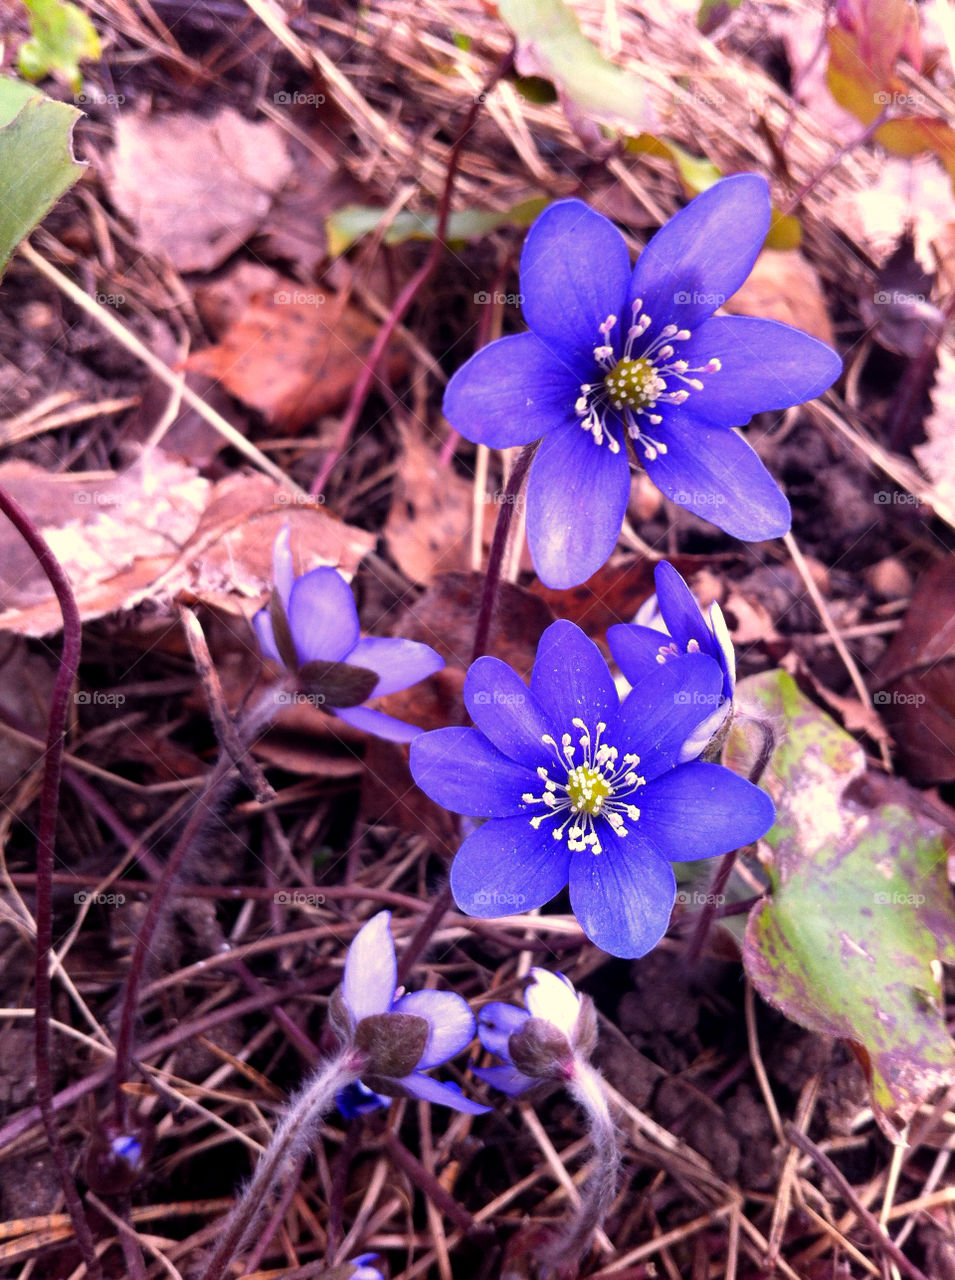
x: 634, y: 384
x: 587, y: 788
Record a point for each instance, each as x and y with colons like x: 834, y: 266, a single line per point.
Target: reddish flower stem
x: 404, y: 300
x: 46, y: 835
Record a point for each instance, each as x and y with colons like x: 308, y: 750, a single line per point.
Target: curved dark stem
x: 224, y: 775
x: 404, y: 300
x: 495, y: 559
x: 714, y: 897
x: 49, y: 808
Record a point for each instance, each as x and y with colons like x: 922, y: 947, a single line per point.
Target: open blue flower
x: 323, y: 625
x: 364, y: 1270
x: 580, y: 788
x: 369, y: 999
x: 614, y: 354
x: 669, y: 624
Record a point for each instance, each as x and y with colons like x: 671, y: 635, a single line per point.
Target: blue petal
x: 623, y: 896
x: 700, y: 810
x: 571, y: 679
x: 577, y: 494
x: 262, y: 626
x: 681, y: 612
x: 511, y: 392
x: 506, y: 1078
x: 322, y: 616
x: 497, y: 1022
x: 445, y: 1094
x: 506, y: 867
x: 504, y: 709
x: 715, y: 474
x: 462, y: 771
x: 451, y: 1022
x: 377, y: 723
x: 399, y: 663
x: 574, y: 274
x: 663, y: 709
x: 283, y: 571
x: 765, y: 365
x: 636, y: 649
x: 357, y: 1099
x: 371, y: 972
x: 703, y: 254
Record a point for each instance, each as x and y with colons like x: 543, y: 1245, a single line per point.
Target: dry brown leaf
x: 428, y: 529
x: 784, y: 286
x: 152, y: 532
x: 915, y: 192
x: 293, y: 354
x: 195, y: 187
x: 936, y: 456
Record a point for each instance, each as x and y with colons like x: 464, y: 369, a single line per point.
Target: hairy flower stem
x: 46, y: 835
x: 586, y: 1088
x: 291, y: 1139
x: 495, y: 559
x: 205, y: 810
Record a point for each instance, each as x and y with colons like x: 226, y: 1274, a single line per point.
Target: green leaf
x: 551, y: 44
x: 859, y: 912
x: 36, y: 160
x: 62, y: 36
x: 356, y: 220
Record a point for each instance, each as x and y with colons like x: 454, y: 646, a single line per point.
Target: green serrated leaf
x: 36, y: 160
x: 859, y: 912
x: 356, y: 220
x: 551, y: 44
x: 62, y: 37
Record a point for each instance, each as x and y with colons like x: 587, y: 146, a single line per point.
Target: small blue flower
x: 358, y: 1100
x: 323, y: 623
x: 614, y: 354
x: 580, y: 788
x: 368, y: 993
x: 363, y: 1268
x: 638, y: 647
x: 550, y: 998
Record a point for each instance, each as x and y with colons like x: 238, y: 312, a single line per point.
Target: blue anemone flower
x: 669, y: 624
x: 614, y: 354
x: 550, y: 998
x: 580, y: 788
x: 323, y: 624
x: 364, y: 1270
x: 368, y: 992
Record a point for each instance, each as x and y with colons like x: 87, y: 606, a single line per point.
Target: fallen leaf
x: 349, y: 224
x: 917, y: 678
x: 294, y: 353
x: 62, y: 37
x: 428, y: 530
x: 196, y: 188
x: 859, y: 911
x: 908, y: 193
x: 156, y: 531
x: 784, y: 286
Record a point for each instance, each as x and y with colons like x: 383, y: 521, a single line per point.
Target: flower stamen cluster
x: 597, y: 787
x: 634, y: 384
